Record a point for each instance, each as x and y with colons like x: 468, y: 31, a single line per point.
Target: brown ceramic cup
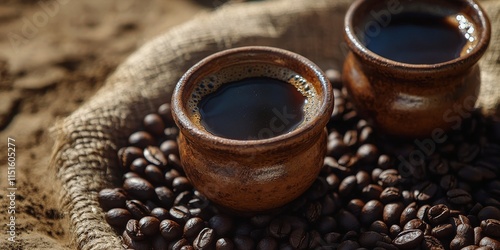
x: 255, y: 175
x: 413, y: 100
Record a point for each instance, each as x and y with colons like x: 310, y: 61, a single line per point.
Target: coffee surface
x: 419, y: 39
x: 252, y: 108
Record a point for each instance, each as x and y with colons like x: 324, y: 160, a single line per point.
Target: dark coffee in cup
x: 252, y: 102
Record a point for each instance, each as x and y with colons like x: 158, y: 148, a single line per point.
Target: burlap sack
x: 87, y: 141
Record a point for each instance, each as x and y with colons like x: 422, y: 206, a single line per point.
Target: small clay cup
x: 412, y: 100
x: 252, y: 176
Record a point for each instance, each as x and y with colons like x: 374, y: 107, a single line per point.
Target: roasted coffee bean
x: 318, y: 189
x: 154, y: 174
x: 463, y: 238
x: 424, y: 191
x: 459, y: 196
x: 130, y: 175
x: 371, y: 192
x: 336, y: 148
x: 165, y: 196
x: 490, y: 242
x: 438, y: 214
x: 313, y: 212
x: 326, y: 224
x: 112, y: 198
x: 154, y: 156
x: 193, y: 227
x: 127, y: 155
x: 222, y: 225
x: 491, y: 228
x: 376, y: 174
x: 188, y: 247
x: 379, y: 227
x: 409, y: 239
x: 390, y: 194
x: 139, y: 166
x: 181, y: 184
x: 423, y: 212
x: 154, y: 124
x: 267, y: 243
x: 183, y: 198
x: 165, y: 113
x: 470, y: 174
x: 478, y: 235
x: 170, y: 177
x: 394, y: 230
x: 175, y: 162
x: 333, y: 181
x: 366, y: 135
x: 141, y: 139
x: 171, y: 133
x: 384, y: 162
x: 133, y: 230
x: 409, y: 213
x: 392, y: 213
x: 362, y: 179
x: 367, y: 153
x: 489, y: 212
x: 159, y: 243
x: 224, y: 244
x: 280, y: 228
x: 348, y: 245
x: 160, y: 213
x: 139, y: 188
x: 431, y: 243
x: 299, y: 239
x: 332, y: 238
x: 170, y: 230
x: 415, y: 224
x: 149, y: 225
x: 369, y: 239
x: 442, y: 231
x: 135, y: 244
x: 355, y: 206
x: 351, y: 138
x: 467, y: 152
x: 243, y: 242
x: 118, y: 217
x: 372, y: 211
x: 177, y: 245
x: 438, y: 166
x: 180, y: 214
x: 328, y: 205
x: 137, y: 209
x: 389, y: 178
x: 347, y: 221
x: 407, y: 197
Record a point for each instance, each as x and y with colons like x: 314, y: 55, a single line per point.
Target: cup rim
x: 467, y: 60
x: 185, y: 124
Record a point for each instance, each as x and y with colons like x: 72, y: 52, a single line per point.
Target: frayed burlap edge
x: 84, y: 157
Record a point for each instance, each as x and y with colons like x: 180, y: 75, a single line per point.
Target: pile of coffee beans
x: 374, y: 192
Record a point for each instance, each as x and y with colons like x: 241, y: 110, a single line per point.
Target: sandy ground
x: 54, y: 54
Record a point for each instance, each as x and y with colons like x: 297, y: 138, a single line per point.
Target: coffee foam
x: 212, y: 82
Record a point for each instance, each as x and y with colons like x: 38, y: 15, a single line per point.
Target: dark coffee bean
x: 431, y: 243
x: 407, y: 197
x: 438, y: 166
x: 188, y: 247
x: 154, y: 124
x: 390, y: 194
x: 348, y: 245
x: 299, y: 239
x: 423, y: 212
x: 332, y: 238
x: 478, y: 235
x: 154, y: 174
x: 467, y: 152
x: 384, y: 162
x: 139, y: 188
x: 328, y: 205
x: 165, y: 113
x: 363, y: 179
x: 170, y: 177
x: 141, y: 139
x: 112, y: 198
x: 347, y: 186
x: 470, y: 173
x: 149, y: 225
x: 118, y: 217
x: 169, y: 147
x: 392, y: 213
x: 175, y: 162
x: 170, y: 230
x: 135, y: 244
x: 318, y: 189
x: 409, y: 213
x: 424, y: 191
x: 489, y: 212
x: 243, y: 242
x: 415, y: 224
x: 376, y: 174
x: 333, y: 181
x: 224, y: 244
x: 127, y: 155
x: 154, y: 156
x: 355, y: 206
x: 171, y: 133
x: 137, y: 209
x: 180, y: 214
x: 165, y: 196
x: 490, y: 242
x: 367, y: 153
x: 315, y: 240
x: 463, y: 238
x: 177, y: 245
x: 139, y: 166
x: 193, y: 227
x: 379, y: 227
x: 394, y: 230
x: 438, y: 214
x: 409, y: 239
x: 130, y: 175
x: 347, y: 221
x: 448, y: 182
x: 159, y: 243
x: 133, y: 230
x: 371, y: 192
x: 160, y: 213
x: 267, y: 243
x: 442, y: 231
x: 280, y: 228
x: 183, y: 198
x: 326, y: 224
x: 369, y: 239
x: 389, y: 178
x: 372, y: 211
x: 459, y: 196
x: 491, y: 228
x: 222, y: 225
x: 313, y: 212
x: 366, y: 135
x: 351, y: 138
x: 296, y: 221
x: 336, y: 148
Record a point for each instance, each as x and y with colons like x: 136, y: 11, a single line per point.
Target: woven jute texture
x: 87, y: 141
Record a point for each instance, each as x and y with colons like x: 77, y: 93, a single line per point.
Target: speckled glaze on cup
x: 413, y: 100
x: 251, y: 176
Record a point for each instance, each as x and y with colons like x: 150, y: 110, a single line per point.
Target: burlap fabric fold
x: 84, y: 156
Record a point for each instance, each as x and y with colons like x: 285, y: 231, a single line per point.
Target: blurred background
x: 54, y: 55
